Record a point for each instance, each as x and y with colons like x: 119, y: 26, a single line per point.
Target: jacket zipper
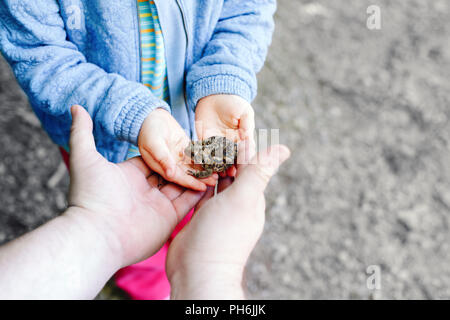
x: 185, y: 24
x: 139, y: 64
x: 180, y: 5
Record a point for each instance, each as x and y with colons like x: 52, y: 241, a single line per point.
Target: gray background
x: 366, y: 116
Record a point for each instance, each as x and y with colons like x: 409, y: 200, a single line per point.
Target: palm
x: 215, y: 126
x: 210, y: 123
x: 224, y: 115
x: 162, y: 142
x: 127, y: 194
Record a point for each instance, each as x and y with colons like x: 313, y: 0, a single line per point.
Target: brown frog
x: 214, y: 154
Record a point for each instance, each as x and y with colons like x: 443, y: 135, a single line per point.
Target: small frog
x: 214, y: 154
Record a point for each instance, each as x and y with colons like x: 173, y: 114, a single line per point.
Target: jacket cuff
x: 218, y: 84
x: 129, y: 122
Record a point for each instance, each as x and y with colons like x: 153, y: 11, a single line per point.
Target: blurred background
x: 366, y: 115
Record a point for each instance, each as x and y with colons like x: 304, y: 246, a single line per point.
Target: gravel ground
x: 365, y: 113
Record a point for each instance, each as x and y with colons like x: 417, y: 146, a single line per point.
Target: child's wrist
x: 158, y: 112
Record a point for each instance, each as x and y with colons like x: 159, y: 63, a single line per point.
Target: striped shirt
x: 153, y: 60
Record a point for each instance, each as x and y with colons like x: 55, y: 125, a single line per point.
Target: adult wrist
x: 102, y: 239
x: 215, y: 282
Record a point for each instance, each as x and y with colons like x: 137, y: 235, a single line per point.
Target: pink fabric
x: 147, y: 280
x: 65, y: 157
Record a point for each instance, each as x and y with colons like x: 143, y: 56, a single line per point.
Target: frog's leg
x: 200, y: 174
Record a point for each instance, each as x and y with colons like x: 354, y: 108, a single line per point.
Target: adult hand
x: 117, y: 216
x: 207, y: 258
x: 122, y: 200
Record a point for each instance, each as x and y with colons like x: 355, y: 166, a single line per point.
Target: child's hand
x: 225, y: 115
x: 161, y: 143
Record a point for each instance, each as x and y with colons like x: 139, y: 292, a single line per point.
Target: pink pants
x: 147, y: 279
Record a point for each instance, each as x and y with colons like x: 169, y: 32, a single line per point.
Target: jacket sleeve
x: 55, y: 75
x: 235, y: 53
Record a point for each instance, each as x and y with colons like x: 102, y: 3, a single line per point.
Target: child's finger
x: 211, y: 180
x: 222, y: 174
x: 182, y: 178
x: 161, y: 153
x: 224, y: 183
x: 247, y: 125
x: 231, y: 172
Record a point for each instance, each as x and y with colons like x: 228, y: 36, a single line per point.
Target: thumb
x: 161, y: 153
x: 81, y: 138
x: 253, y: 178
x: 247, y: 125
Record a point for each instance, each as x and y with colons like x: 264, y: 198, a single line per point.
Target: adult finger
x: 172, y: 191
x: 254, y: 178
x: 156, y: 181
x: 138, y: 163
x: 82, y: 141
x: 186, y: 201
x: 246, y: 154
x: 224, y: 183
x: 207, y: 195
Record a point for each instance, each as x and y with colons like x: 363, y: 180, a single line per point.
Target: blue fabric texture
x: 87, y: 52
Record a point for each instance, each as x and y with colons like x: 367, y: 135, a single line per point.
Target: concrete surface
x: 366, y: 115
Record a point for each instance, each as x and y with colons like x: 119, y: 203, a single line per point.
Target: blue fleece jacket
x: 87, y: 52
